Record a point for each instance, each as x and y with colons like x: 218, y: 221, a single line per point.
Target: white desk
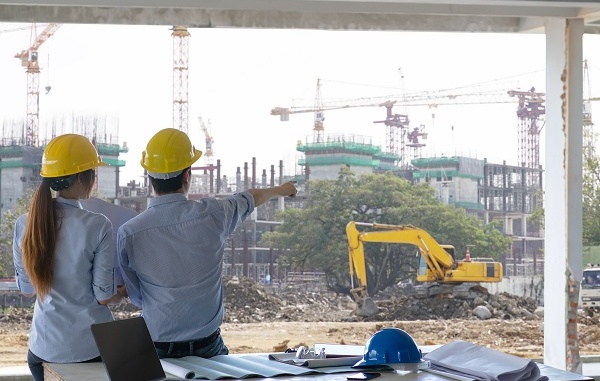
x: 97, y: 372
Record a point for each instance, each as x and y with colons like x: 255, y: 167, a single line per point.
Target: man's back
x: 172, y: 255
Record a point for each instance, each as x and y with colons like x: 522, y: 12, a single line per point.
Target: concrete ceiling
x: 504, y: 16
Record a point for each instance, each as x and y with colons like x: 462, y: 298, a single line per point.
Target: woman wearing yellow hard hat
x: 65, y: 256
x: 171, y: 254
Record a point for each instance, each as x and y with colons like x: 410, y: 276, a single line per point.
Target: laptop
x: 127, y: 351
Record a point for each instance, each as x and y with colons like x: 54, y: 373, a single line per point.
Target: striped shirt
x: 171, y: 256
x: 83, y: 274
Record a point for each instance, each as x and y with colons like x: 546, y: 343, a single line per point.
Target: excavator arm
x: 438, y: 260
x: 439, y: 263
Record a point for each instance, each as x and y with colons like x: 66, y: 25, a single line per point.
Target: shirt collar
x: 69, y: 201
x: 166, y: 198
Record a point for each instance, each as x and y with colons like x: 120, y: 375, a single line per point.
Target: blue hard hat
x: 390, y: 346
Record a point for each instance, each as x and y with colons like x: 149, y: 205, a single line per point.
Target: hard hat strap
x: 62, y: 183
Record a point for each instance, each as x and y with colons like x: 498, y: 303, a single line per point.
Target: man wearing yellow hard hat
x: 171, y: 254
x: 65, y: 255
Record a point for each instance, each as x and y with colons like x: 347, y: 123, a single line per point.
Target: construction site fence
x: 311, y: 281
x: 524, y: 267
x: 15, y: 299
x: 306, y: 281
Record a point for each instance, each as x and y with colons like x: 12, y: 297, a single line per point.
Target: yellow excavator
x: 439, y: 272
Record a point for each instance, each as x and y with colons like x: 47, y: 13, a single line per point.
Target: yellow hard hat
x: 168, y: 153
x: 69, y: 154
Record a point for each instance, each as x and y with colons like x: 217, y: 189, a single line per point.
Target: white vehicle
x: 590, y: 289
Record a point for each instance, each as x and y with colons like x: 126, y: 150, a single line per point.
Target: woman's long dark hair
x: 41, y: 234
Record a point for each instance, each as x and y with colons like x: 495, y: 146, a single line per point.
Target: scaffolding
x: 510, y: 189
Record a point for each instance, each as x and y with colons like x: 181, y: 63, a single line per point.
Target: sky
x: 124, y: 74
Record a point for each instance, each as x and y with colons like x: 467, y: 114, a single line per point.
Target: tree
x: 591, y: 199
x: 314, y: 237
x: 7, y: 227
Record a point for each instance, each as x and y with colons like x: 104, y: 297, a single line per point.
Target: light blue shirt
x: 171, y: 256
x: 117, y: 215
x: 83, y: 274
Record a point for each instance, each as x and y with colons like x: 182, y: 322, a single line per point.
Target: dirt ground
x: 518, y: 337
x: 259, y: 320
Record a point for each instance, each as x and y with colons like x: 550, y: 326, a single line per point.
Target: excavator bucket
x: 366, y: 307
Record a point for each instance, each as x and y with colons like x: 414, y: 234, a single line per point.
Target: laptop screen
x: 127, y: 350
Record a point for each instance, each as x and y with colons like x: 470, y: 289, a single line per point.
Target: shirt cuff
x: 104, y: 293
x: 25, y: 287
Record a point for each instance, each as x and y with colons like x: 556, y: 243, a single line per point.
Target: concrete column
x: 508, y: 225
x: 563, y: 214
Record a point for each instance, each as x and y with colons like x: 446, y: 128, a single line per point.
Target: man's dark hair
x: 169, y: 185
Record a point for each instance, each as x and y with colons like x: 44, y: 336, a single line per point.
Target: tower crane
x: 180, y: 77
x: 530, y: 112
x: 29, y: 60
x: 208, y: 154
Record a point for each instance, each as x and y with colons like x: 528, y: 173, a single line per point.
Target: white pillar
x: 563, y: 189
x: 508, y: 225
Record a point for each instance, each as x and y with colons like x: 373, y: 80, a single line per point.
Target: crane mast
x: 396, y: 126
x: 319, y: 129
x: 29, y: 60
x: 180, y: 77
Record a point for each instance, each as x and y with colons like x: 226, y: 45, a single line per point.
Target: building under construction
x: 492, y: 192
x: 20, y: 162
x: 323, y: 159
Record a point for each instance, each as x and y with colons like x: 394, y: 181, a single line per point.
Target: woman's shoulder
x: 93, y: 217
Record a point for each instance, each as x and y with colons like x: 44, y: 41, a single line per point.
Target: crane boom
x: 44, y: 35
x: 431, y: 99
x: 18, y: 28
x: 530, y: 111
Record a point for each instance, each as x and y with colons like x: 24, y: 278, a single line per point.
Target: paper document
x: 176, y: 370
x: 468, y: 361
x: 238, y: 367
x: 290, y: 358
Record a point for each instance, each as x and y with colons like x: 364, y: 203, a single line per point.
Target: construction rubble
x: 248, y: 302
x: 505, y: 322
